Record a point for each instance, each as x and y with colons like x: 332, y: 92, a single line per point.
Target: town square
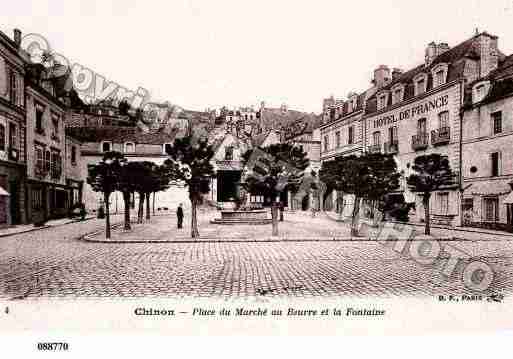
x: 401, y: 187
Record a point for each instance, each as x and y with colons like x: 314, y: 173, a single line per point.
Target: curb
x: 263, y: 240
x: 459, y: 229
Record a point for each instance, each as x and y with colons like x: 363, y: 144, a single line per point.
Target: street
x: 54, y: 263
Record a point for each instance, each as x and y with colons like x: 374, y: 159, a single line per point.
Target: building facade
x: 12, y: 132
x: 47, y: 191
x: 488, y: 150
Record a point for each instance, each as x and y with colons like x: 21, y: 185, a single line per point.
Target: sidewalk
x: 466, y: 233
x: 24, y: 228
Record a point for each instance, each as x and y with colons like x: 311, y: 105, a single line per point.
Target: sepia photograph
x: 250, y: 167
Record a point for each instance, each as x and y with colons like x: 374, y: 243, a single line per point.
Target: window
x: 350, y: 138
x: 497, y: 122
x: 443, y: 119
x: 439, y: 77
x: 129, y: 147
x: 228, y: 153
x: 397, y: 95
x: 376, y: 138
x: 392, y: 134
x: 443, y: 202
x: 480, y: 91
x: 421, y: 126
x: 326, y: 143
x: 37, y: 198
x: 2, y: 137
x: 39, y: 159
x: 337, y: 138
x: 420, y: 86
x: 382, y: 101
x: 495, y: 158
x: 56, y: 165
x: 13, y: 138
x: 420, y: 82
x: 55, y: 127
x: 73, y: 155
x: 106, y: 146
x: 491, y: 209
x: 166, y: 148
x: 13, y: 88
x: 48, y: 161
x: 39, y: 118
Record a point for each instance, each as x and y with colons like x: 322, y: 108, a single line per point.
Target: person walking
x: 179, y: 215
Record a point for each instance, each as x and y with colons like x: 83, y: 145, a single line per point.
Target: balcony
x: 419, y: 141
x: 374, y: 148
x: 391, y: 147
x: 441, y: 136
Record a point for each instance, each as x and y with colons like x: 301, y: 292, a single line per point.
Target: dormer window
x: 439, y: 73
x: 353, y: 103
x: 480, y: 91
x: 129, y: 147
x: 397, y: 93
x: 382, y: 100
x: 420, y: 84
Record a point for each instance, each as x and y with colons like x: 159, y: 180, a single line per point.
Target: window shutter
x: 3, y: 78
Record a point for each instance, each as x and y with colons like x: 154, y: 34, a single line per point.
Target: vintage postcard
x: 256, y: 167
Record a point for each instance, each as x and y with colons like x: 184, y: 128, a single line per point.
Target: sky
x: 206, y: 54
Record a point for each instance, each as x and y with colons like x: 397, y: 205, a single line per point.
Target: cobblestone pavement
x: 51, y: 263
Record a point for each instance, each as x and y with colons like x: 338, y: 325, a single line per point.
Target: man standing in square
x: 179, y: 215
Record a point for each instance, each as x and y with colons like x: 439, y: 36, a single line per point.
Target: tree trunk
x: 274, y: 216
x: 107, y: 215
x: 281, y: 213
x: 154, y: 203
x: 427, y: 214
x: 194, y: 219
x: 355, y: 217
x: 140, y: 208
x: 148, y: 206
x: 126, y: 200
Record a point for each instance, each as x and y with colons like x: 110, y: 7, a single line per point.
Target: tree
x: 129, y: 183
x: 189, y: 163
x: 273, y: 169
x: 383, y: 179
x: 369, y: 176
x: 431, y: 173
x: 104, y: 177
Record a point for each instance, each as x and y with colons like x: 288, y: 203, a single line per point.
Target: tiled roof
x: 466, y: 50
x: 278, y: 119
x: 120, y: 135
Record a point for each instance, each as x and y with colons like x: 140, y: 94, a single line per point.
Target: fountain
x: 243, y: 213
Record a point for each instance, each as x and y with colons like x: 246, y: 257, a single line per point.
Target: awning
x: 3, y: 192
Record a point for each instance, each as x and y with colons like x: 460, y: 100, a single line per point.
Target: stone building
x: 47, y: 190
x: 12, y: 131
x: 488, y: 148
x: 135, y: 145
x: 417, y: 112
x: 341, y: 134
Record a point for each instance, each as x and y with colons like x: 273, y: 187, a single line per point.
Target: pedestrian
x: 179, y: 215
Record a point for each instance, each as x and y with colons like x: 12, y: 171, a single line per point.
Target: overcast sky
x: 201, y: 54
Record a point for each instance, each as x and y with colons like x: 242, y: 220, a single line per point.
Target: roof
x: 120, y: 135
x: 501, y: 83
x: 289, y: 121
x: 468, y: 49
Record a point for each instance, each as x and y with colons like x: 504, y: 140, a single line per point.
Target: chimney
x: 396, y: 73
x: 431, y: 53
x: 381, y: 76
x: 442, y: 47
x: 17, y: 37
x: 488, y: 53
